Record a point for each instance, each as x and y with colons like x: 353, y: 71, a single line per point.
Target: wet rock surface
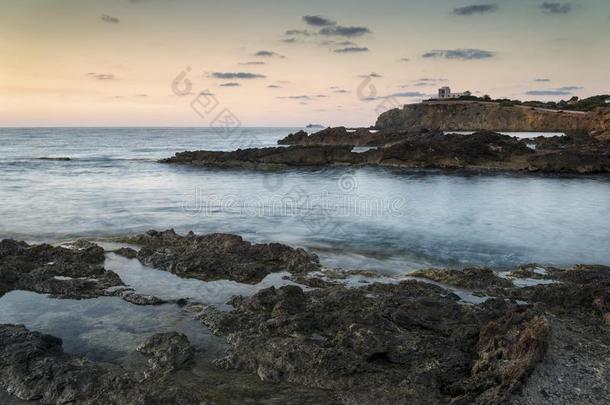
x: 484, y: 150
x: 405, y: 343
x: 167, y: 352
x: 220, y: 256
x: 59, y: 271
x: 34, y: 367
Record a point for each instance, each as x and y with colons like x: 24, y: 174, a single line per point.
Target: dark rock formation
x: 421, y: 149
x: 406, y: 343
x: 59, y: 271
x: 220, y: 256
x: 34, y: 367
x: 270, y: 158
x: 127, y: 252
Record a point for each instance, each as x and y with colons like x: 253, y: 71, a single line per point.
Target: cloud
x: 341, y: 91
x: 101, y: 76
x: 426, y: 81
x: 560, y: 91
x: 289, y: 40
x: 300, y: 97
x: 236, y: 75
x: 318, y: 21
x: 321, y: 96
x: 252, y: 63
x: 408, y: 94
x: 463, y: 54
x: 274, y: 86
x: 268, y: 54
x: 556, y: 8
x: 338, y: 30
x: 475, y: 9
x: 109, y: 19
x: 373, y: 74
x: 230, y: 84
x: 304, y: 33
x: 352, y: 49
x: 206, y: 93
x: 542, y: 80
x: 404, y: 60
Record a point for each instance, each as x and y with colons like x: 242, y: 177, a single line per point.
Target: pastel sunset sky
x: 287, y: 63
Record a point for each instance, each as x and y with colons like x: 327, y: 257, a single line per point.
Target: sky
x: 286, y: 63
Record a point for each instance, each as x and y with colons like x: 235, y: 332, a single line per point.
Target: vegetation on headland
x: 573, y: 104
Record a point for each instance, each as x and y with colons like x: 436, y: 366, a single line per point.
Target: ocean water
x: 389, y: 220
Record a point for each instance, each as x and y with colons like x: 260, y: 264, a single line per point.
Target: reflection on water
x: 114, y: 187
x: 105, y: 328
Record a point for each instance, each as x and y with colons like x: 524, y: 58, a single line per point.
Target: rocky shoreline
x: 424, y: 149
x: 537, y: 335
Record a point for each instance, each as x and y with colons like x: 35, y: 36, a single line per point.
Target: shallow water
x: 167, y: 286
x: 368, y: 218
x: 102, y: 329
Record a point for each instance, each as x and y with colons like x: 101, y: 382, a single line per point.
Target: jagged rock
x: 406, y: 343
x: 167, y: 352
x: 59, y: 271
x: 359, y: 137
x: 135, y: 298
x: 220, y: 256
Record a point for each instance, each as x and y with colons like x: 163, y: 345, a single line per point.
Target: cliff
x: 479, y: 116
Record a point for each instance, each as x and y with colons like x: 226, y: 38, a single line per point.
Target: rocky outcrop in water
x: 406, y: 343
x: 34, y: 367
x: 220, y: 256
x: 341, y: 136
x: 425, y: 149
x: 59, y: 271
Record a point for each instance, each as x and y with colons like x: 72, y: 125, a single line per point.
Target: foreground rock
x: 406, y: 343
x: 59, y: 271
x: 420, y: 149
x: 220, y: 256
x: 34, y: 367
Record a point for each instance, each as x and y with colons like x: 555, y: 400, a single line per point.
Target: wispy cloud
x: 274, y: 86
x: 475, y: 9
x: 289, y: 40
x: 230, y: 84
x: 559, y: 91
x: 404, y: 60
x: 408, y: 94
x: 101, y: 76
x: 109, y: 19
x: 352, y: 49
x: 236, y: 75
x: 373, y: 75
x: 304, y: 33
x: 338, y: 30
x: 556, y: 8
x: 542, y: 80
x: 318, y: 21
x: 463, y: 54
x: 252, y: 63
x: 299, y: 97
x: 268, y: 54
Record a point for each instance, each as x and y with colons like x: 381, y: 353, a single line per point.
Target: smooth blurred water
x: 356, y: 218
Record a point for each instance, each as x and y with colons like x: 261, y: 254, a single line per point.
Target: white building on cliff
x: 444, y: 93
